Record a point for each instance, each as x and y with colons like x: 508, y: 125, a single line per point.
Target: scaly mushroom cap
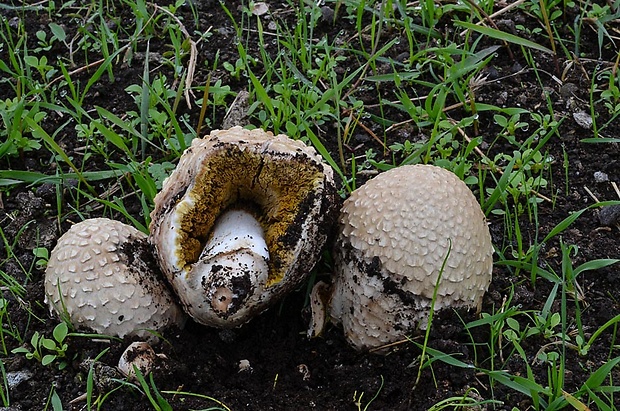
x: 396, y: 232
x: 102, y: 277
x: 241, y: 221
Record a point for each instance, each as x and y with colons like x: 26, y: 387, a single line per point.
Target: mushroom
x: 101, y: 276
x: 240, y: 222
x: 403, y: 233
x: 140, y: 355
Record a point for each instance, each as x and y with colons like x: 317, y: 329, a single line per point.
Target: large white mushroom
x: 397, y: 231
x: 101, y: 276
x: 240, y: 222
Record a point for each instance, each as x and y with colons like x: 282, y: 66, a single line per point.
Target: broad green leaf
x: 58, y: 31
x: 48, y: 359
x: 48, y: 343
x: 60, y: 332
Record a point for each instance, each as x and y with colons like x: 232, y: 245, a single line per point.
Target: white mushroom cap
x: 139, y: 354
x: 396, y: 232
x: 102, y: 277
x: 282, y: 194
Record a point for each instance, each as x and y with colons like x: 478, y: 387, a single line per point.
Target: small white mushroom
x: 396, y: 232
x: 245, y: 366
x: 240, y: 222
x: 101, y: 276
x: 140, y: 355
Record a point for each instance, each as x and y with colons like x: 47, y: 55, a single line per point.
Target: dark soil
x: 287, y: 370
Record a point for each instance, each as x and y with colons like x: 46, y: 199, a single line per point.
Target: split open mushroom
x: 101, y: 277
x: 403, y: 233
x: 240, y: 222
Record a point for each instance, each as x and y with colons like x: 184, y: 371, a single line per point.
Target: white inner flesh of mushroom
x: 232, y: 266
x: 235, y: 257
x: 233, y: 231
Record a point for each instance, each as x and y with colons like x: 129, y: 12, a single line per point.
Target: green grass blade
x: 501, y: 35
x: 103, y: 67
x: 326, y: 156
x: 595, y: 265
x: 518, y: 383
x: 4, y: 386
x: 261, y: 94
x: 117, y: 121
x: 13, y: 177
x: 145, y: 102
x: 113, y: 138
x: 600, y: 140
x: 600, y: 330
x: 470, y: 63
x: 598, y: 377
x: 145, y: 388
x: 499, y: 189
x: 38, y: 131
x: 564, y: 224
x: 206, y: 397
x: 599, y: 403
x: 446, y: 358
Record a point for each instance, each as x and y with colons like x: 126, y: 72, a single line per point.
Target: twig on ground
x: 591, y: 194
x: 615, y: 186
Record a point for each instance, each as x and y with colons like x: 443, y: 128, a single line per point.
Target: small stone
x: 304, y: 371
x: 15, y: 378
x: 327, y: 14
x: 492, y: 73
x: 104, y: 376
x: 47, y: 191
x: 583, y: 119
x: 260, y: 8
x: 502, y: 98
x: 507, y: 25
x: 600, y: 177
x: 14, y: 22
x: 609, y: 215
x: 568, y: 90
